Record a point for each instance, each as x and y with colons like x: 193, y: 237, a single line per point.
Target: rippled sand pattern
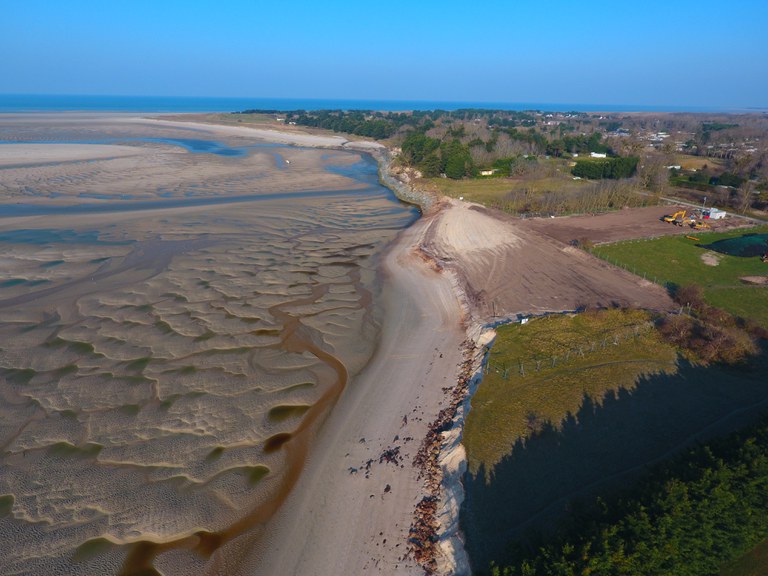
x: 162, y: 372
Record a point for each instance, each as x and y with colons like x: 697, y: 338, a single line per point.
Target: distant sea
x: 70, y: 102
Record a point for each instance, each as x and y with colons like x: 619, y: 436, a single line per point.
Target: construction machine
x: 700, y: 225
x: 676, y: 218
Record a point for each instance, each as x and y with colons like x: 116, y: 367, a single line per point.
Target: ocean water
x: 71, y: 102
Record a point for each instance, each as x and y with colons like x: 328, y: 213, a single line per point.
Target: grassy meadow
x: 512, y: 194
x: 680, y: 261
x: 539, y: 372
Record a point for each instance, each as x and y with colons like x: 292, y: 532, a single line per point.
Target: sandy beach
x: 352, y: 510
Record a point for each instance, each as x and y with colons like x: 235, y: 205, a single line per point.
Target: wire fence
x: 635, y: 240
x: 531, y: 365
x: 631, y: 268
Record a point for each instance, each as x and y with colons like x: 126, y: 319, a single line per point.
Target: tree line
x: 689, y: 516
x: 580, y: 144
x: 434, y: 157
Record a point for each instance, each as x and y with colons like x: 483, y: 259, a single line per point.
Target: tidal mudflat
x: 179, y: 310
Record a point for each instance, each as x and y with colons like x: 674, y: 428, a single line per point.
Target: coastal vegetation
x: 538, y: 373
x: 573, y: 408
x: 721, y: 159
x: 690, y: 516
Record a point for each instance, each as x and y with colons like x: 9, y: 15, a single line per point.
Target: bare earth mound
x: 509, y: 267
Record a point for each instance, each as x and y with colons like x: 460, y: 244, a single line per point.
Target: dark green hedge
x: 613, y: 168
x: 688, y: 517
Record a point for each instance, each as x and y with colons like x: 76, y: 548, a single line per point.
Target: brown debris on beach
x: 423, y: 534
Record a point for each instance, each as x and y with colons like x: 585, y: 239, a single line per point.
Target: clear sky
x: 653, y: 52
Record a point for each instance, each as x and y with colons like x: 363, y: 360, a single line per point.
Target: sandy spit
x: 278, y: 136
x: 352, y: 510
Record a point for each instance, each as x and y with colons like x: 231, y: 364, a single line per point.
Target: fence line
x: 532, y: 365
x: 626, y: 267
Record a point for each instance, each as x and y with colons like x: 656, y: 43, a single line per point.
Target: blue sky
x: 672, y: 52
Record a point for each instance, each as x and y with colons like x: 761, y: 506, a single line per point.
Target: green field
x: 539, y: 372
x: 496, y: 191
x: 678, y: 261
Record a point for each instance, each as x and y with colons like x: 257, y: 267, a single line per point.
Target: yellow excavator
x: 676, y: 218
x: 700, y: 225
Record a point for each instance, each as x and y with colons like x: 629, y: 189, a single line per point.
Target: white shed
x: 715, y: 214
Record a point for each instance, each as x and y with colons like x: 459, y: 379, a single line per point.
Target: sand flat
x: 72, y: 167
x: 280, y: 136
x: 163, y: 369
x: 24, y: 154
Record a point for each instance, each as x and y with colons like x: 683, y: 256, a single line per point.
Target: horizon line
x: 484, y: 104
